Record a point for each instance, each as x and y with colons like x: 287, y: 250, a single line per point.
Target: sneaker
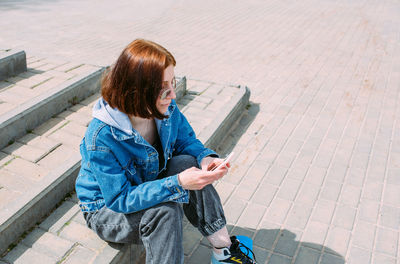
x: 234, y: 254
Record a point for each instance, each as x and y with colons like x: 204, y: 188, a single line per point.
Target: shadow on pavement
x: 238, y: 129
x: 275, y: 246
x: 26, y: 4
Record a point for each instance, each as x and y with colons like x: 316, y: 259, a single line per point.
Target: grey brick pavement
x: 317, y: 154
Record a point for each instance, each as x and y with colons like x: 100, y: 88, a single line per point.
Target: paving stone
x: 39, y: 142
x: 85, y: 236
x: 261, y: 254
x: 79, y: 218
x: 59, y: 74
x: 315, y: 235
x: 5, y: 158
x: 110, y: 253
x: 200, y: 254
x: 27, y: 152
x: 224, y: 190
x: 90, y: 101
x: 278, y: 211
x: 47, y: 85
x: 81, y: 69
x: 337, y: 241
x: 380, y: 258
x: 368, y: 210
x: 252, y: 215
x: 298, y: 171
x: 331, y: 190
x: 245, y: 190
x: 22, y: 254
x: 266, y: 235
x: 285, y: 159
x: 298, y: 216
x: 276, y: 174
x: 57, y: 157
x: 307, y: 256
x: 257, y: 171
x: 350, y: 195
x: 26, y: 169
x: 391, y: 196
x: 278, y: 259
x: 31, y: 81
x: 315, y: 175
x: 5, y: 106
x: 287, y: 242
x: 191, y: 238
x: 49, y: 126
x: 372, y: 191
x: 390, y: 217
x: 60, y: 217
x: 79, y: 255
x: 233, y: 209
x: 78, y: 117
x: 344, y: 216
x: 23, y: 91
x: 47, y: 243
x: 308, y: 193
x: 359, y: 256
x: 393, y: 176
x: 289, y: 189
x: 332, y: 259
x: 236, y: 173
x: 83, y: 109
x: 7, y: 197
x: 387, y: 241
x: 242, y: 231
x: 337, y: 172
x: 68, y: 67
x: 364, y: 235
x: 12, y: 148
x: 66, y: 138
x: 15, y: 182
x: 356, y: 177
x: 267, y: 155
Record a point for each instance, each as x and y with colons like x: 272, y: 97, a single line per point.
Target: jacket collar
x: 128, y: 132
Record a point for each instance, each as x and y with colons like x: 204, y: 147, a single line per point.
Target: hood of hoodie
x: 112, y: 116
x: 115, y: 118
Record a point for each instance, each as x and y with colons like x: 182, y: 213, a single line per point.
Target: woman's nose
x: 172, y: 94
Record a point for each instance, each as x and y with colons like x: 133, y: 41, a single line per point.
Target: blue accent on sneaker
x: 248, y: 242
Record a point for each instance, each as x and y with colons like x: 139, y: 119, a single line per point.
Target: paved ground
x: 317, y: 155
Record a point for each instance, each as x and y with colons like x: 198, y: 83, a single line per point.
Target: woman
x: 141, y: 162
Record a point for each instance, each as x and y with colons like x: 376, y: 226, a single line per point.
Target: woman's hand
x: 210, y: 163
x: 196, y: 179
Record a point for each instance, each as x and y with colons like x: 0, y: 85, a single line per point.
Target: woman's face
x: 168, y: 90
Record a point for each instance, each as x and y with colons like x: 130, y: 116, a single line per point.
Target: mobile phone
x: 226, y: 160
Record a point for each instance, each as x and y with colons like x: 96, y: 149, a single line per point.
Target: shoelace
x: 248, y: 251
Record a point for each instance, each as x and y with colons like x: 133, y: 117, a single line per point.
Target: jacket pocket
x: 132, y: 174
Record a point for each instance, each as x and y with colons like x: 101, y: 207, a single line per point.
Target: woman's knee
x: 165, y: 215
x: 180, y: 163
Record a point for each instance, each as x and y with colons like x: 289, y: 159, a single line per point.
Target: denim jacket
x: 119, y: 167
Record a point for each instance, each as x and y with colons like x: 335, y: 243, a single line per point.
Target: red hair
x: 134, y: 82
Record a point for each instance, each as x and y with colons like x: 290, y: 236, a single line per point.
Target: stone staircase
x: 44, y: 112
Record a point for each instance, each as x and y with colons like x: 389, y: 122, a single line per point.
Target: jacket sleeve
x: 121, y: 196
x: 186, y: 141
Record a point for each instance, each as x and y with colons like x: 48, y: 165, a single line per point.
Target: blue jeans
x: 159, y: 228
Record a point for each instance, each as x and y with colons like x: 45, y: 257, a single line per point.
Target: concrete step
x: 12, y: 62
x: 63, y: 235
x: 44, y: 90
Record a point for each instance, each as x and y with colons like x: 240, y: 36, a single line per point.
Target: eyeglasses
x: 166, y: 90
